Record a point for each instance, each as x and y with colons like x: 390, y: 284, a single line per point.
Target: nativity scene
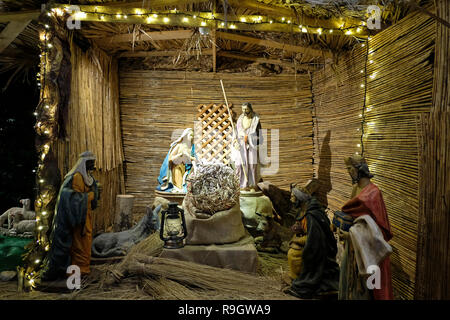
x: 230, y: 150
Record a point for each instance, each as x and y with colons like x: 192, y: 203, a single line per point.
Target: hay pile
x: 212, y: 188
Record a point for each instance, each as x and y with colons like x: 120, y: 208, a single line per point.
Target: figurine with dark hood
x: 319, y: 272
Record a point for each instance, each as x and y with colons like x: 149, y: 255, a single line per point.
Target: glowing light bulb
x: 360, y: 115
x: 243, y: 19
x: 166, y: 19
x: 47, y: 107
x: 319, y: 30
x: 222, y: 24
x: 271, y: 21
x: 50, y: 45
x: 35, y: 113
x: 363, y: 45
x: 289, y: 21
x: 358, y: 145
x: 138, y: 12
x: 80, y: 15
x: 149, y: 19
x: 40, y: 227
x: 362, y: 71
x: 195, y: 17
x: 44, y: 213
x: 47, y: 247
x: 304, y: 30
x: 102, y: 17
x: 348, y: 32
x: 232, y: 26
x: 282, y: 19
x: 358, y: 30
x: 362, y: 85
x: 118, y: 16
x: 125, y: 17
x: 155, y: 15
x: 203, y: 23
x: 371, y: 61
x: 331, y: 30
x: 47, y: 26
x: 185, y: 19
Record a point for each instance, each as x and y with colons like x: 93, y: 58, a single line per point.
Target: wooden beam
x: 166, y: 53
x: 10, y: 33
x: 205, y: 19
x: 275, y: 44
x: 19, y: 16
x: 148, y: 36
x: 263, y: 60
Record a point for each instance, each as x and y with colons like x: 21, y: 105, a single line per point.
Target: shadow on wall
x: 324, y: 169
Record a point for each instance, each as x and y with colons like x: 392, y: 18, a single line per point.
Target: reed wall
x: 154, y: 104
x: 433, y: 250
x: 93, y: 124
x: 385, y: 85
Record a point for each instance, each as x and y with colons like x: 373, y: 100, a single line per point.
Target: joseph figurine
x: 248, y: 139
x: 71, y: 235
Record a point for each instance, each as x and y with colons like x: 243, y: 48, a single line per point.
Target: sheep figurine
x: 21, y: 221
x: 15, y: 215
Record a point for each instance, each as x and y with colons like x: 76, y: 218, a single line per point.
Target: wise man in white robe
x: 247, y: 139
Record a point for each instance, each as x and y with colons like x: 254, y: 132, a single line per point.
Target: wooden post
x: 124, y: 212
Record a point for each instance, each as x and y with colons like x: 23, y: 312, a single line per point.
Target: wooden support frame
x: 19, y: 16
x: 264, y: 60
x: 11, y: 31
x: 166, y: 53
x: 148, y: 36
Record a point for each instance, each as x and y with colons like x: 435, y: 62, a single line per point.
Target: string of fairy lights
x: 45, y: 119
x: 200, y: 19
x: 368, y: 60
x: 46, y: 109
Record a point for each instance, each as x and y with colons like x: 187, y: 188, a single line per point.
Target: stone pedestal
x: 240, y: 255
x: 252, y: 203
x: 123, y: 219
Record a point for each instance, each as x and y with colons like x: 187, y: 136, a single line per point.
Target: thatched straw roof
x: 310, y: 50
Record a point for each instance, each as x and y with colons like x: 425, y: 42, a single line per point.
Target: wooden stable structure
x: 135, y: 72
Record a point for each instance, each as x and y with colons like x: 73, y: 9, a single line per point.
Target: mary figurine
x: 178, y: 164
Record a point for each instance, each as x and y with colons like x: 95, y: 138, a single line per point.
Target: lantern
x: 173, y: 227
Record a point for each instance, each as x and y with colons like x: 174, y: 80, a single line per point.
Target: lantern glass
x: 173, y: 227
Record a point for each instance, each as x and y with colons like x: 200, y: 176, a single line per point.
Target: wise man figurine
x: 247, y: 139
x: 71, y: 233
x: 366, y: 200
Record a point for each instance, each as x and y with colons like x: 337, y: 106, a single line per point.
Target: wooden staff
x: 232, y: 126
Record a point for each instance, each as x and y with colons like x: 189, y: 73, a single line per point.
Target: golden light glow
x: 319, y: 30
x: 348, y: 32
x: 232, y: 26
x: 165, y: 19
x: 203, y: 23
x: 243, y: 19
x: 185, y: 19
x: 304, y: 30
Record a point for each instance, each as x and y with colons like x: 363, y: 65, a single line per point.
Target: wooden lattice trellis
x: 215, y: 140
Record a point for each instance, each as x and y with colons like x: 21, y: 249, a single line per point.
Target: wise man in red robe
x: 366, y: 200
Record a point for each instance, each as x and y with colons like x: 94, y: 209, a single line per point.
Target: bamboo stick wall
x: 93, y: 124
x: 433, y: 250
x: 399, y: 61
x: 155, y: 103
